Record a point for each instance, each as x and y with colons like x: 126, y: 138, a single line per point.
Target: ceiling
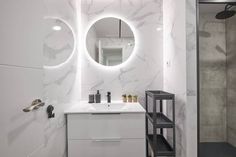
x: 211, y: 8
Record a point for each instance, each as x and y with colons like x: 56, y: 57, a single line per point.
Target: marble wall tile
x: 175, y: 66
x: 145, y: 69
x: 180, y: 69
x: 191, y: 62
x: 60, y: 74
x: 25, y: 79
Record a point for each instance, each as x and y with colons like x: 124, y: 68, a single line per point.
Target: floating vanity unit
x: 106, y: 130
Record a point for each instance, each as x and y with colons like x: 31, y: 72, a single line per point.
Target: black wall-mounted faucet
x: 108, y: 97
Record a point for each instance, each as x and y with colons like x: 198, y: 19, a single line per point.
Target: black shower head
x: 227, y: 13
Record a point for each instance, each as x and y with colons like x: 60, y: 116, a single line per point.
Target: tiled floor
x: 217, y: 150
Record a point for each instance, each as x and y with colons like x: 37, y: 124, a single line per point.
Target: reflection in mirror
x: 58, y: 42
x: 110, y: 41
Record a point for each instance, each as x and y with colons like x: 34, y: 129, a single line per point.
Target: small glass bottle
x: 129, y: 98
x: 135, y: 98
x: 124, y: 98
x: 98, y: 97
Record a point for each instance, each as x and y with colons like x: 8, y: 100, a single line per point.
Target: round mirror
x: 110, y: 41
x: 59, y: 42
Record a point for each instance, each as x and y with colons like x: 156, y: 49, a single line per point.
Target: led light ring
x: 75, y: 43
x: 129, y: 58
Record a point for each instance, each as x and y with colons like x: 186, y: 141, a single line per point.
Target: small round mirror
x: 59, y: 42
x: 110, y: 41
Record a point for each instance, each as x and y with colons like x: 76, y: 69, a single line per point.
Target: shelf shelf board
x: 163, y: 148
x: 157, y: 94
x: 162, y: 120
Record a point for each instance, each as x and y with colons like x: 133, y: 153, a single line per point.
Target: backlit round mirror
x: 110, y: 41
x: 59, y: 42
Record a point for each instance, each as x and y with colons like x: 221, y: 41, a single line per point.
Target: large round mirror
x: 110, y: 41
x: 59, y: 42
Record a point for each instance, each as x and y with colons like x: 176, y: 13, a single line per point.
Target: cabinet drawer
x: 95, y: 126
x: 106, y: 148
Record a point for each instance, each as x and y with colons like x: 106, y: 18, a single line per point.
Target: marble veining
x: 58, y: 80
x: 174, y: 67
x: 191, y: 62
x: 144, y: 71
x: 133, y: 78
x: 180, y: 76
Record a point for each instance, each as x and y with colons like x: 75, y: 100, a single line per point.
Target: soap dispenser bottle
x: 98, y: 97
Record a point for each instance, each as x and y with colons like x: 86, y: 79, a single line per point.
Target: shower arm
x: 230, y: 5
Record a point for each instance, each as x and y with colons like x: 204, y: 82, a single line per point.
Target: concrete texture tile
x: 231, y: 80
x: 212, y: 133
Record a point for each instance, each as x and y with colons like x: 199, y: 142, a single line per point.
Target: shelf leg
x: 146, y: 122
x: 174, y: 135
x: 154, y: 127
x: 161, y: 110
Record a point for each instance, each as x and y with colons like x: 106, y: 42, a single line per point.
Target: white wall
x: 59, y: 82
x: 145, y: 69
x: 180, y: 76
x: 21, y: 73
x: 191, y: 74
x: 23, y: 79
x: 17, y: 44
x: 175, y: 65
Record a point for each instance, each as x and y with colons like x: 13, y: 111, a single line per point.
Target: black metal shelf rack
x: 159, y: 144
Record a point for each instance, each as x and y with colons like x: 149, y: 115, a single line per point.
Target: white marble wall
x: 191, y: 74
x: 59, y: 42
x: 175, y: 66
x: 24, y: 79
x: 180, y: 75
x: 59, y: 79
x: 145, y: 69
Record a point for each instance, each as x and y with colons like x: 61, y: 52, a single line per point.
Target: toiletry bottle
x: 129, y: 98
x: 98, y: 97
x: 91, y: 98
x: 135, y: 98
x: 124, y: 98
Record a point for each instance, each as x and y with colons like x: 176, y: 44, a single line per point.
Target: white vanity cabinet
x: 107, y: 134
x: 106, y: 130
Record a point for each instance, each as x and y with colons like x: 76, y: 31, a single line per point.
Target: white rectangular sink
x: 114, y: 107
x: 109, y: 106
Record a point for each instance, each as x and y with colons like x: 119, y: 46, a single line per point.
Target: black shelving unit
x: 159, y: 145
